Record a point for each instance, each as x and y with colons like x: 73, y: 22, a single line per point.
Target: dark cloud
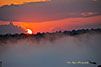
x: 48, y: 11
x: 6, y: 29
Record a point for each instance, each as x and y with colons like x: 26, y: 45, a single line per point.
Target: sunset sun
x: 29, y: 31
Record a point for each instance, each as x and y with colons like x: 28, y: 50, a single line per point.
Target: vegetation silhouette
x: 92, y: 62
x: 99, y: 65
x: 46, y: 36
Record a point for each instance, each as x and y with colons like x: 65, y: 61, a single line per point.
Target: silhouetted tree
x: 99, y: 66
x: 92, y: 62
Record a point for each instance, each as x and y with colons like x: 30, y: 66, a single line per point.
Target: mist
x: 44, y: 52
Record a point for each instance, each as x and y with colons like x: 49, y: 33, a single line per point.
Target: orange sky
x: 64, y: 24
x: 8, y: 2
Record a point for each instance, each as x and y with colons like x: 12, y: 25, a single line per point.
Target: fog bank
x: 52, y: 53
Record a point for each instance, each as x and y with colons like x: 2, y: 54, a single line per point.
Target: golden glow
x: 16, y: 2
x: 29, y: 31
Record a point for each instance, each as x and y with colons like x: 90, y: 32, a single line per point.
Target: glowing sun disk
x: 29, y: 31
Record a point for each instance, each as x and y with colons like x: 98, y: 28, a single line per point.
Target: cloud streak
x: 48, y: 11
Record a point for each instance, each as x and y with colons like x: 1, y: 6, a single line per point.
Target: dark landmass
x: 99, y: 65
x: 47, y: 36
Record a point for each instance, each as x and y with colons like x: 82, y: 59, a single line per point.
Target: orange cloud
x: 8, y: 2
x: 88, y: 13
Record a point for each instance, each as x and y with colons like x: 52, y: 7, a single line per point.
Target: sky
x: 51, y: 15
x: 8, y: 2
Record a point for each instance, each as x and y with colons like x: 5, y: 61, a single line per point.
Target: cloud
x: 48, y: 11
x: 8, y: 2
x: 12, y: 29
x: 90, y: 13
